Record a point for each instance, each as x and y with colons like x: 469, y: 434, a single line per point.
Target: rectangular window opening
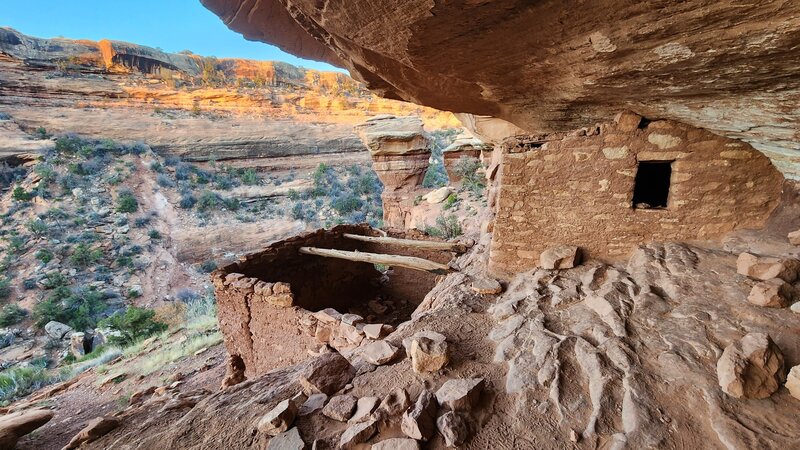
x: 651, y: 186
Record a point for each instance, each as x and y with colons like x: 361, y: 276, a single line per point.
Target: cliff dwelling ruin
x: 277, y: 304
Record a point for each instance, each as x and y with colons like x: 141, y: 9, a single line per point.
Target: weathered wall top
x: 729, y: 67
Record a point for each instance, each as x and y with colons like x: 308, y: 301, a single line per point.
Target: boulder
x: 96, y: 429
x: 419, y: 422
x: 394, y: 403
x: 396, y: 444
x: 438, y: 195
x: 766, y: 268
x: 427, y: 350
x: 379, y: 352
x: 358, y: 433
x: 752, y: 367
x: 234, y: 373
x: 340, y: 407
x: 794, y: 237
x: 326, y: 374
x: 288, y: 440
x: 17, y: 424
x: 793, y: 382
x: 795, y: 308
x: 560, y: 257
x: 453, y: 428
x: 278, y: 419
x: 57, y: 330
x: 774, y: 293
x: 486, y: 286
x: 76, y: 344
x: 364, y: 408
x: 460, y: 395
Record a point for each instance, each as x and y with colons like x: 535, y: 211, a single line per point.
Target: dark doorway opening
x: 651, y: 187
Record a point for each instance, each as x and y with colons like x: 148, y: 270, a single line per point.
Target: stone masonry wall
x: 577, y: 189
x: 276, y: 305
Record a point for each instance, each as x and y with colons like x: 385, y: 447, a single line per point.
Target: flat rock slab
x: 486, y: 286
x: 379, y: 352
x: 358, y: 433
x: 327, y: 374
x: 460, y: 395
x: 312, y: 404
x: 396, y: 444
x: 15, y: 425
x: 288, y: 440
x: 377, y: 330
x: 364, y: 408
x: 96, y: 429
x: 340, y: 407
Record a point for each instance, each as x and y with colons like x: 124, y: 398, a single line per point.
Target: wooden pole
x: 414, y: 243
x: 409, y: 262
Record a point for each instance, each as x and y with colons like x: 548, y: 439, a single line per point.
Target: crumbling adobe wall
x: 267, y: 302
x: 577, y: 189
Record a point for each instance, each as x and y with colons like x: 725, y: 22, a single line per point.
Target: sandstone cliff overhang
x: 555, y: 66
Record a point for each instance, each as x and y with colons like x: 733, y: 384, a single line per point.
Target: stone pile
x: 345, y: 331
x: 774, y: 278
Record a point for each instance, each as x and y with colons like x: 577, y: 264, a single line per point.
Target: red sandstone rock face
x: 554, y: 66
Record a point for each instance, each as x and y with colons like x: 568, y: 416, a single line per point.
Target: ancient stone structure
x: 611, y: 187
x: 275, y: 305
x: 464, y: 146
x: 400, y: 151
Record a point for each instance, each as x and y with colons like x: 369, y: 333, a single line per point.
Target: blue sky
x: 172, y: 25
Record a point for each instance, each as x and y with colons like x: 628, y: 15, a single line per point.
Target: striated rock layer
x: 554, y: 66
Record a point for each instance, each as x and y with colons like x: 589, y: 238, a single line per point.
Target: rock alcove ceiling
x: 729, y: 67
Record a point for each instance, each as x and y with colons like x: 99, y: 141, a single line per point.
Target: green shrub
x: 347, y: 203
x: 55, y: 280
x: 249, y: 177
x: 134, y: 325
x: 11, y: 314
x: 5, y: 288
x: 187, y: 201
x: 231, y: 203
x: 154, y: 234
x: 208, y: 200
x: 127, y: 203
x: 78, y: 309
x: 467, y: 168
x: 37, y: 227
x: 44, y: 255
x: 21, y: 195
x: 20, y: 381
x: 83, y: 255
x: 208, y: 266
x: 447, y: 227
x: 451, y: 200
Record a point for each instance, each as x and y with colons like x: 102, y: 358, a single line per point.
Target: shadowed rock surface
x: 556, y: 66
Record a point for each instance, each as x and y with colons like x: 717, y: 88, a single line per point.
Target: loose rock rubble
x: 327, y: 374
x: 419, y: 422
x: 358, y: 433
x: 560, y: 257
x: 453, y: 428
x: 460, y: 395
x: 364, y: 408
x: 427, y: 350
x: 766, y: 268
x: 340, y: 407
x: 379, y: 352
x: 279, y: 419
x: 288, y: 440
x: 774, y: 293
x: 752, y: 367
x: 393, y: 404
